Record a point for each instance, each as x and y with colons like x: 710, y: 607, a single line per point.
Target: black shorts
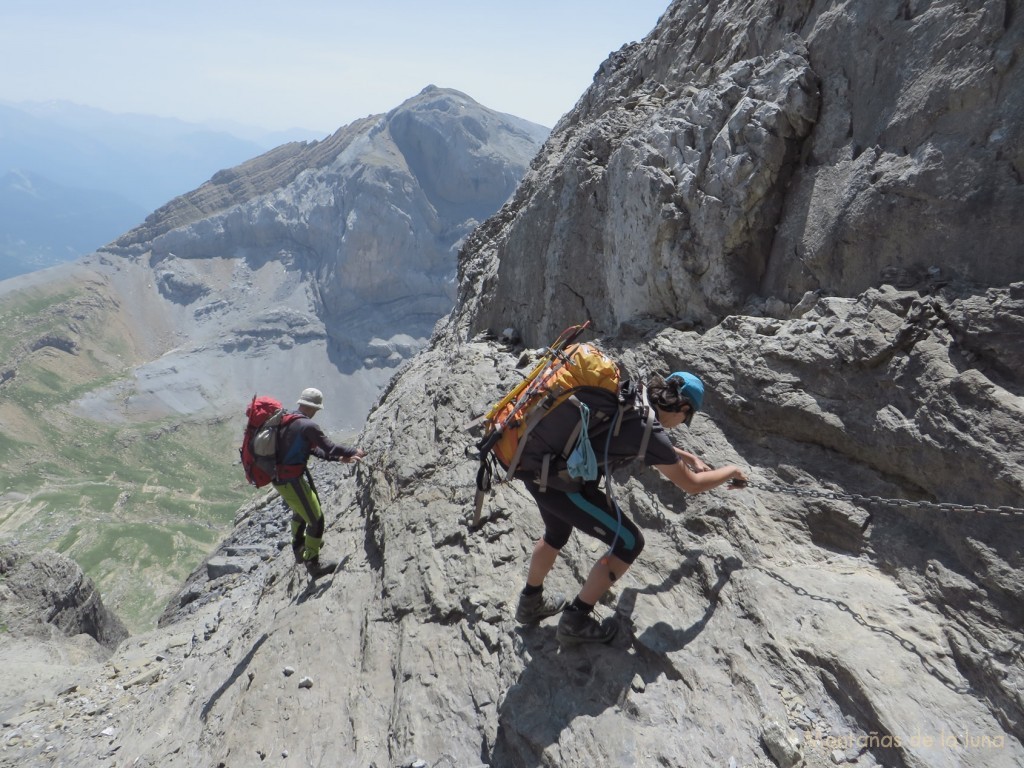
x: 591, y: 512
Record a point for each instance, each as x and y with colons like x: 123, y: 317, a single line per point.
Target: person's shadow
x: 661, y: 638
x: 558, y: 686
x: 315, y: 588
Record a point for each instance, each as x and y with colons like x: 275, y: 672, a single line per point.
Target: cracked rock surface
x: 813, y: 206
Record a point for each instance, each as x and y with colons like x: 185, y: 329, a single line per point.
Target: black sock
x: 579, y: 605
x: 528, y: 590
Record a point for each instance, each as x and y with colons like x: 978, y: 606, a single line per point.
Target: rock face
x: 709, y: 205
x: 49, y: 592
x: 741, y: 154
x: 53, y: 624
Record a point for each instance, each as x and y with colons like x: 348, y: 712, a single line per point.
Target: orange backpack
x: 580, y: 365
x: 564, y: 370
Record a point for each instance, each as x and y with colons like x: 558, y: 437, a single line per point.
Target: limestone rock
x: 54, y: 629
x: 864, y: 593
x: 46, y: 592
x: 712, y: 162
x: 782, y: 745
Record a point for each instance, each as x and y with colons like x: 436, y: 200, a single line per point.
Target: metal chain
x: 857, y: 498
x: 904, y: 642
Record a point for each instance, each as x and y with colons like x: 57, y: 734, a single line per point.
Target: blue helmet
x: 690, y: 388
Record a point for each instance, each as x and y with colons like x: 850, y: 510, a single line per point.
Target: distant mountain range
x: 74, y: 178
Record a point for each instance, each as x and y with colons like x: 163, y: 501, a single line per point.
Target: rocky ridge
x: 54, y: 624
x: 741, y: 157
x: 860, y: 604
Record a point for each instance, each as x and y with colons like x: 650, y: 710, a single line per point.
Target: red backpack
x: 265, y: 417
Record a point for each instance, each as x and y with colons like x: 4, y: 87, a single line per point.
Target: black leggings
x: 591, y: 512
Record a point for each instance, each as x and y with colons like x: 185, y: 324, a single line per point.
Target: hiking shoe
x: 533, y: 608
x: 576, y: 627
x: 316, y: 569
x: 297, y: 551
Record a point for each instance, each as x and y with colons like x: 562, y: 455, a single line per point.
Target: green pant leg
x: 305, y: 504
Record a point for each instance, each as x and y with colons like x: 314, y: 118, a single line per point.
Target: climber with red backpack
x: 276, y: 449
x: 574, y: 419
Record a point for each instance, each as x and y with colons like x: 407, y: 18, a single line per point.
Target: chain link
x: 904, y: 642
x: 857, y: 498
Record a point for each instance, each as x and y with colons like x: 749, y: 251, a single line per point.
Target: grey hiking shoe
x: 576, y: 627
x: 316, y: 568
x: 533, y: 608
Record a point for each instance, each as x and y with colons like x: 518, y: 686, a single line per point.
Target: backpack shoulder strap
x: 648, y: 414
x: 531, y: 421
x: 287, y: 418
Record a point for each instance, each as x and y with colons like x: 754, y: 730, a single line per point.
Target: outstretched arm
x: 356, y: 455
x: 323, y: 447
x: 691, y: 460
x: 696, y: 482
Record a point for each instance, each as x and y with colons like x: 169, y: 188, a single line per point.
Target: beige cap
x: 314, y: 398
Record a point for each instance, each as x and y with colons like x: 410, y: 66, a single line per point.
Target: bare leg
x: 600, y: 581
x: 543, y: 559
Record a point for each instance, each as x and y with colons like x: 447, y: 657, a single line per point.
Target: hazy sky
x: 315, y: 64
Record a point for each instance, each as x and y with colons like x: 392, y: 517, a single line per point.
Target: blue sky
x: 314, y: 64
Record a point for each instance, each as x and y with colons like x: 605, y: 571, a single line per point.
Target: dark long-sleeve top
x: 302, y: 438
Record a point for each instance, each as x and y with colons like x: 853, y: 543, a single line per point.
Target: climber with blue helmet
x: 674, y: 400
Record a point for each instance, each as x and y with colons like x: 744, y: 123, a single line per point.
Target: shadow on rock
x: 661, y: 639
x: 558, y: 686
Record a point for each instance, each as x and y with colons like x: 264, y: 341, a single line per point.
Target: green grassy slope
x: 137, y: 505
